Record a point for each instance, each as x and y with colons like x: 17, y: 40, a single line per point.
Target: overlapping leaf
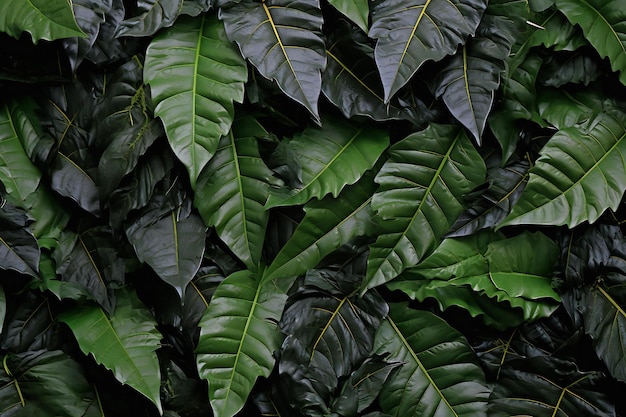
x: 356, y: 10
x: 439, y: 375
x: 195, y: 75
x: 579, y: 175
x: 419, y: 198
x: 234, y: 187
x: 409, y: 33
x: 237, y: 340
x: 19, y: 250
x: 604, y: 25
x: 282, y: 39
x: 124, y: 342
x: 331, y: 157
x: 154, y: 15
x: 43, y: 19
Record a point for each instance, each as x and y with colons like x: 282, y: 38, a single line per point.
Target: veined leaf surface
x: 409, y: 33
x: 237, y: 339
x: 282, y: 39
x: 419, y: 198
x: 195, y: 74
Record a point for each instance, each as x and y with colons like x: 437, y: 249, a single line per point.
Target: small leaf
x: 356, y: 10
x: 126, y: 342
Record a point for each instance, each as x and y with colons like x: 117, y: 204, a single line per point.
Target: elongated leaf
x: 439, y: 377
x: 282, y: 39
x: 356, y: 10
x: 331, y: 157
x: 579, y: 175
x: 154, y: 15
x: 409, y: 33
x: 233, y: 188
x: 124, y: 342
x: 237, y: 339
x: 173, y: 246
x: 328, y: 224
x: 43, y: 19
x: 195, y: 74
x: 604, y: 24
x: 419, y: 197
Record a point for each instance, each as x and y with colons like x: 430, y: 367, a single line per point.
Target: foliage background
x: 336, y: 208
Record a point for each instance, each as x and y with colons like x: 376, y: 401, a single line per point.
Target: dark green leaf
x: 282, y: 39
x: 154, y: 15
x: 356, y: 10
x: 409, y: 33
x: 19, y: 250
x: 28, y: 323
x: 580, y: 67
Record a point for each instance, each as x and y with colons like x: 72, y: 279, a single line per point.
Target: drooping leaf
x: 19, y: 250
x: 172, y: 244
x: 327, y: 224
x: 43, y: 19
x: 124, y: 342
x: 331, y: 157
x: 30, y: 385
x: 153, y: 16
x: 89, y: 14
x: 409, y: 33
x: 238, y: 337
x: 282, y: 39
x: 419, y: 197
x: 233, y: 188
x: 579, y: 175
x: 195, y: 74
x: 439, y: 375
x: 604, y: 25
x: 356, y: 10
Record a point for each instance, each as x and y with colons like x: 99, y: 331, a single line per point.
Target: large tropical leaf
x: 327, y: 224
x: 420, y: 197
x: 282, y: 39
x: 124, y: 342
x: 409, y: 33
x: 579, y: 175
x: 29, y: 324
x: 153, y: 16
x: 195, y: 74
x: 330, y: 157
x: 237, y: 340
x: 439, y: 376
x: 43, y: 19
x: 233, y: 188
x: 604, y: 24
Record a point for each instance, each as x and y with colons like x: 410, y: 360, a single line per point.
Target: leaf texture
x: 195, y: 74
x: 154, y: 15
x: 581, y: 172
x: 356, y: 10
x: 409, y: 33
x: 439, y: 376
x: 234, y: 187
x: 237, y: 339
x: 419, y: 198
x: 282, y: 39
x: 126, y: 342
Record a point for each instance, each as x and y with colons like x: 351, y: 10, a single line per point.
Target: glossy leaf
x: 603, y: 23
x: 48, y: 20
x: 355, y: 10
x: 560, y: 193
x: 154, y: 15
x: 564, y: 109
x: 234, y: 187
x: 327, y: 224
x: 282, y: 39
x: 124, y: 342
x: 419, y: 198
x: 238, y: 337
x: 409, y: 33
x: 439, y: 377
x: 89, y: 15
x: 29, y: 324
x: 195, y: 74
x: 19, y: 250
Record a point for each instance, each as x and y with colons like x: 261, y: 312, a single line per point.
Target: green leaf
x: 356, y: 10
x: 409, y: 33
x: 439, y: 377
x: 43, y: 19
x: 562, y: 108
x: 579, y: 175
x: 3, y: 308
x: 331, y: 157
x: 233, y: 188
x: 419, y: 198
x: 19, y: 250
x: 282, y: 39
x: 124, y: 342
x: 327, y: 224
x: 237, y: 339
x: 604, y: 24
x: 195, y: 74
x: 154, y: 16
x: 173, y: 246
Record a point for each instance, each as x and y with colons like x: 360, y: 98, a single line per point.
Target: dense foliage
x: 303, y: 208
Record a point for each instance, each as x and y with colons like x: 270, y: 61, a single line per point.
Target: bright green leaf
x: 356, y: 10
